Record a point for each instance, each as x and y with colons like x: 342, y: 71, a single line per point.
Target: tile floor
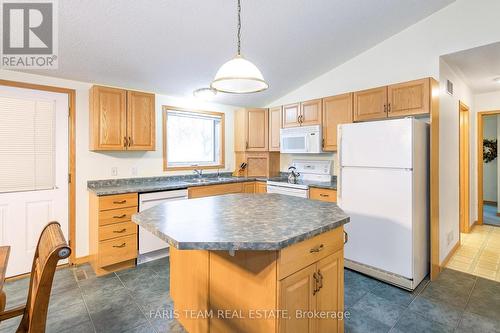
x: 456, y: 302
x: 490, y: 215
x: 479, y: 253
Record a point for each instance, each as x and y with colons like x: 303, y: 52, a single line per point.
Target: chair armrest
x: 11, y: 313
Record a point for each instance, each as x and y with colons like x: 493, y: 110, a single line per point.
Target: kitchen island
x: 253, y: 263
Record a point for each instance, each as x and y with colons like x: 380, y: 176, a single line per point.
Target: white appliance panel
x: 383, y: 144
x: 295, y: 192
x: 147, y: 241
x: 379, y: 202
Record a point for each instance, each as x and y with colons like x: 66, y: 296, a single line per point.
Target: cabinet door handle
x: 346, y: 237
x: 316, y: 249
x: 119, y: 216
x: 130, y: 141
x: 315, y: 289
x: 120, y: 202
x: 324, y: 195
x: 385, y: 108
x: 389, y: 107
x: 125, y: 142
x: 120, y: 246
x: 246, y: 145
x: 320, y: 282
x: 120, y: 231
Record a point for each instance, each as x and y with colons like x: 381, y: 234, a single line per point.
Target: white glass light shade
x: 205, y: 93
x: 239, y: 76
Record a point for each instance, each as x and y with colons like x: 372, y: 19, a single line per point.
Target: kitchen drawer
x: 300, y: 255
x: 117, y: 250
x: 323, y: 194
x: 117, y: 230
x: 118, y: 201
x: 116, y: 215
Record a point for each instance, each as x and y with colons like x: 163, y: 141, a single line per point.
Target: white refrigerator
x: 383, y: 185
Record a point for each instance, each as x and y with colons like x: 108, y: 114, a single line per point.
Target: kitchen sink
x: 198, y: 181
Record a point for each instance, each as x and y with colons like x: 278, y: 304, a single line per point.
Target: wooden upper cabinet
x: 409, y: 98
x: 296, y: 294
x: 108, y: 118
x: 291, y: 113
x: 257, y: 129
x: 370, y: 104
x: 274, y: 128
x: 330, y: 297
x: 310, y: 112
x: 140, y: 121
x: 121, y: 119
x: 336, y: 110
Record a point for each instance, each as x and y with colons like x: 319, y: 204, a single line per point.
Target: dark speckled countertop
x: 154, y: 184
x: 240, y: 221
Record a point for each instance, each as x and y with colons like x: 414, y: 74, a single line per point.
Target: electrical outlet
x: 114, y: 171
x: 134, y: 171
x: 450, y: 237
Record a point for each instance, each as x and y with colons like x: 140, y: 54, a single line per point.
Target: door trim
x: 480, y: 162
x: 71, y: 153
x: 464, y: 168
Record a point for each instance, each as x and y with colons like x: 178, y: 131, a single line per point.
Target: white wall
x: 92, y: 165
x: 415, y: 53
x: 449, y: 155
x: 490, y: 170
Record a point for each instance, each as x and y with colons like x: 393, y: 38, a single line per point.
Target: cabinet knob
x: 324, y: 195
x: 389, y: 107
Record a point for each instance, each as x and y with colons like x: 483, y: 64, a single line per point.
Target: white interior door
x: 33, y: 170
x: 379, y: 203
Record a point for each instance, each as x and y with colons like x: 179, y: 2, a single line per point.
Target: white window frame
x: 185, y: 166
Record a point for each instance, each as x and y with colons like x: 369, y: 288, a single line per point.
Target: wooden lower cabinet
x: 260, y: 187
x: 257, y: 292
x: 112, y: 234
x: 249, y: 187
x: 322, y: 194
x: 296, y: 295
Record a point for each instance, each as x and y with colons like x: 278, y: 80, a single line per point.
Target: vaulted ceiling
x: 175, y: 46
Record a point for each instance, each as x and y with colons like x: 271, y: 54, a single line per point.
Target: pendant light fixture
x: 238, y: 75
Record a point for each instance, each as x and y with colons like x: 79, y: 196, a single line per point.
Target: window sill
x: 190, y: 167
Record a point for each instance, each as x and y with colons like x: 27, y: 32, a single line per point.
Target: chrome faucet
x: 199, y: 172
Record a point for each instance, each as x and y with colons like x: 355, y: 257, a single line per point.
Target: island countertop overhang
x: 240, y: 221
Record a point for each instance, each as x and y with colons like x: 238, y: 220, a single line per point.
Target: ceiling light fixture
x: 238, y: 75
x: 205, y: 93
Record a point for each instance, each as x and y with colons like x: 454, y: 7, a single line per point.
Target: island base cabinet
x: 248, y: 291
x: 314, y: 292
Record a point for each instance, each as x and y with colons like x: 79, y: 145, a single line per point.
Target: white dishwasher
x: 147, y: 241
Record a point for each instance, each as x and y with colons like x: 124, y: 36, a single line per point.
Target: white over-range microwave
x: 301, y: 140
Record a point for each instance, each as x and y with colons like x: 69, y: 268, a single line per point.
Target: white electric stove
x: 310, y: 172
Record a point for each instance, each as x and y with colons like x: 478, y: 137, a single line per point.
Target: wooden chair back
x: 51, y: 248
